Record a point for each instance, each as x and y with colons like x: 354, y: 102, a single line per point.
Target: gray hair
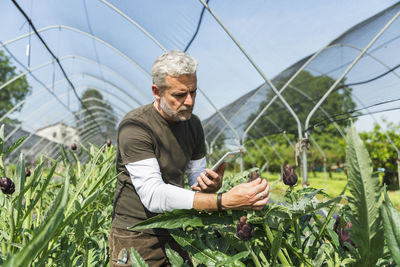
x: 172, y: 63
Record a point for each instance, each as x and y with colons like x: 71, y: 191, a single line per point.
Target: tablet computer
x: 228, y: 157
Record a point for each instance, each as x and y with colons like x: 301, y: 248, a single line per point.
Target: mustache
x: 185, y: 108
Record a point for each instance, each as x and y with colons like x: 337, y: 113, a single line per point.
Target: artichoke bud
x: 289, y: 177
x: 7, y: 186
x: 253, y: 175
x: 244, y: 230
x: 343, y: 234
x: 73, y: 146
x: 27, y: 172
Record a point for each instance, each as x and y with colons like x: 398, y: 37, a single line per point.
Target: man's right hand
x: 248, y: 196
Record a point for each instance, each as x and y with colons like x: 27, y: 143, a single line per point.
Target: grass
x: 333, y: 186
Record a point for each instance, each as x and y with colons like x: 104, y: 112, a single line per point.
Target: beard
x: 175, y: 115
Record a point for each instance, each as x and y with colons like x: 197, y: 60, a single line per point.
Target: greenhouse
x: 304, y: 92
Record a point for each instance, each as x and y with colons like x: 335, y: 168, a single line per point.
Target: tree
x: 382, y: 153
x: 15, y: 91
x: 298, y: 94
x: 97, y: 112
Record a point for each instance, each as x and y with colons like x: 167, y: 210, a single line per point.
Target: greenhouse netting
x: 79, y: 66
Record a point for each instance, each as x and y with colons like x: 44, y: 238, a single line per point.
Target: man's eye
x: 180, y: 95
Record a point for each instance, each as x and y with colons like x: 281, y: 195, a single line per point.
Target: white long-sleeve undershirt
x: 155, y: 194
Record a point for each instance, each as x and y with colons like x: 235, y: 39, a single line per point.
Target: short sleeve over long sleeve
x: 135, y: 143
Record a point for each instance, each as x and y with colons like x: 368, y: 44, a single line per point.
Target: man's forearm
x: 205, y: 201
x: 252, y: 196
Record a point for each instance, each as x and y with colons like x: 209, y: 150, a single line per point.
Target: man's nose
x: 189, y: 100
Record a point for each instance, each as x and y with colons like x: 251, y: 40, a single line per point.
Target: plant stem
x: 253, y: 255
x: 270, y: 236
x: 296, y: 223
x: 12, y: 225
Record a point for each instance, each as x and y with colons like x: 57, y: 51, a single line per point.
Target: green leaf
x: 391, y: 226
x: 19, y: 186
x: 15, y: 145
x: 45, y: 232
x: 183, y: 218
x: 173, y: 256
x: 136, y: 259
x: 39, y: 193
x: 367, y: 232
x: 276, y: 244
x: 234, y: 260
x: 1, y: 138
x: 32, y: 182
x: 320, y: 257
x: 197, y: 249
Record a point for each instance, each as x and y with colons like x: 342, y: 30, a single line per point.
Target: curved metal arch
x: 368, y: 112
x: 41, y: 107
x: 114, y: 72
x: 360, y: 50
x: 51, y: 27
x: 17, y: 128
x: 350, y: 67
x: 119, y: 52
x: 111, y: 84
x: 299, y: 125
x: 134, y: 23
x: 164, y: 49
x: 306, y: 65
x: 45, y: 64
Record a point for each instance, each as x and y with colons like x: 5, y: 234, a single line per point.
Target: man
x: 157, y: 144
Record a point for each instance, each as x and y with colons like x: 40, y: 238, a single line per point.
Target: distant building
x: 59, y: 133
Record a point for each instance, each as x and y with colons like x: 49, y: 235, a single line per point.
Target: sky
x: 275, y: 34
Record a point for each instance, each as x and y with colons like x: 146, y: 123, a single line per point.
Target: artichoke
x: 73, y: 146
x: 289, y: 177
x: 253, y: 175
x: 7, y: 186
x: 244, y: 230
x: 343, y: 234
x: 27, y: 172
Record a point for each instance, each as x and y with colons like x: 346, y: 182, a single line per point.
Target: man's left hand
x: 207, y: 185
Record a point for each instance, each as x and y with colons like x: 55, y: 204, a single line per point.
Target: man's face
x: 177, y: 101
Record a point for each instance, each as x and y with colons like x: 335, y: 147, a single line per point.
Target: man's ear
x: 156, y: 92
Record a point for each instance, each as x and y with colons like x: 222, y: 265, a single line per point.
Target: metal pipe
x: 349, y: 68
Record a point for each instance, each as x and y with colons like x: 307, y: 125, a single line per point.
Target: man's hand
x: 248, y: 196
x: 207, y: 185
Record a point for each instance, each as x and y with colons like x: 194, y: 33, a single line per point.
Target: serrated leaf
x: 183, y: 218
x: 15, y: 145
x: 174, y: 258
x: 234, y: 260
x: 197, y: 249
x: 366, y: 232
x: 279, y: 211
x: 391, y: 226
x: 136, y: 259
x: 44, y: 233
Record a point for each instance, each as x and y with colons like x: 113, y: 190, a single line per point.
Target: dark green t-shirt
x: 142, y: 134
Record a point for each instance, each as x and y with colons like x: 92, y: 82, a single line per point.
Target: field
x: 333, y: 186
